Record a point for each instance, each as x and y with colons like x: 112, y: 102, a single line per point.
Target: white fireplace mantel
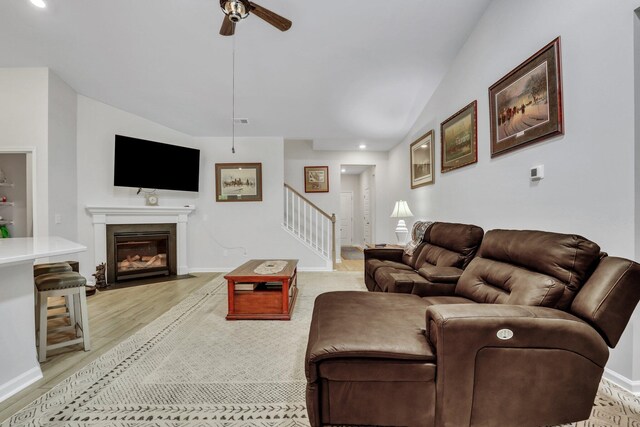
x: 103, y: 215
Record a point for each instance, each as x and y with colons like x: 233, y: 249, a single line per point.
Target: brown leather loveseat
x: 523, y: 342
x: 434, y: 267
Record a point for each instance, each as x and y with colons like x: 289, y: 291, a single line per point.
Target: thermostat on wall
x: 537, y: 173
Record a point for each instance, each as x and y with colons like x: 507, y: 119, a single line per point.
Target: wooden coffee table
x: 273, y: 296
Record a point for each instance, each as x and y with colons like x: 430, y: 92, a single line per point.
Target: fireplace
x: 140, y: 250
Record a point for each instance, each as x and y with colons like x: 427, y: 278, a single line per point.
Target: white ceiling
x: 348, y: 72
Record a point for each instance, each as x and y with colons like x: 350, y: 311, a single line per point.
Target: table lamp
x: 401, y: 210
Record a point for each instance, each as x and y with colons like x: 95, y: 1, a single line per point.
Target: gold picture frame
x: 421, y: 153
x: 459, y: 138
x: 238, y: 182
x: 316, y: 179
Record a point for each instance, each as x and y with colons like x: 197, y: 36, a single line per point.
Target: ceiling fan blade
x: 228, y: 27
x: 283, y: 24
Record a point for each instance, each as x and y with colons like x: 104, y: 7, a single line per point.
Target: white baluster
x: 298, y: 228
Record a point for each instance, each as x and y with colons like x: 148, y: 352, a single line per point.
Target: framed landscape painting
x: 526, y: 104
x: 238, y: 182
x: 459, y: 136
x: 316, y: 179
x: 421, y: 153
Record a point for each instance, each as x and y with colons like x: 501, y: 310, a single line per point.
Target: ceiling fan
x: 237, y: 10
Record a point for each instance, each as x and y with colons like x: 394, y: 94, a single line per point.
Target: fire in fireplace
x: 140, y: 250
x: 140, y: 253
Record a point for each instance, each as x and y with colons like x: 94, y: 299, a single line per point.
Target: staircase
x: 310, y: 225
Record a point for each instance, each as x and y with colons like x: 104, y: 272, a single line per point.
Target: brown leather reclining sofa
x: 434, y: 267
x: 523, y: 342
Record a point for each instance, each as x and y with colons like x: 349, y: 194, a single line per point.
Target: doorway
x: 356, y: 212
x: 16, y: 193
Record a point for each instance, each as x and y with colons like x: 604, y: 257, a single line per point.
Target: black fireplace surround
x: 136, y: 251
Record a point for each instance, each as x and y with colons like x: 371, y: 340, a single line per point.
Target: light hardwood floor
x: 113, y: 316
x: 350, y: 265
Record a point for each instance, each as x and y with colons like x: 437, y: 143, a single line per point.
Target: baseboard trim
x: 20, y: 382
x: 315, y: 269
x: 622, y: 381
x: 210, y: 270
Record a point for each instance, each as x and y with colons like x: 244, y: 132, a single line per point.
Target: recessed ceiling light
x: 343, y: 170
x: 39, y: 3
x: 363, y: 146
x: 423, y: 146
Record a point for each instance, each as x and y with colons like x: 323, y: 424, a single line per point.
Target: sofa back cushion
x: 412, y: 259
x: 529, y: 268
x: 450, y: 245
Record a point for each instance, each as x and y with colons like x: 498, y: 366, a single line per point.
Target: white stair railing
x: 310, y: 224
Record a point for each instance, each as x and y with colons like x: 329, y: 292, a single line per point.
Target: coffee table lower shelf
x: 261, y: 305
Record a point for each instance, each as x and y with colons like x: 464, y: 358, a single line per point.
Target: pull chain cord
x: 233, y: 97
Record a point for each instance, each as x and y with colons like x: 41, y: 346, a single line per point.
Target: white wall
x: 636, y: 321
x: 24, y: 125
x: 299, y: 154
x: 63, y: 178
x: 225, y: 234
x: 97, y: 124
x: 14, y: 165
x: 589, y: 172
x: 214, y: 226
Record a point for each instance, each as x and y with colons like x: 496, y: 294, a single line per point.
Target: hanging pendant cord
x: 233, y: 97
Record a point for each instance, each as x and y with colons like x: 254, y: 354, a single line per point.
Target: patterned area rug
x: 190, y: 367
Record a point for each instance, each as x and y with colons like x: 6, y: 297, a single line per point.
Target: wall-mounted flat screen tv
x: 140, y: 163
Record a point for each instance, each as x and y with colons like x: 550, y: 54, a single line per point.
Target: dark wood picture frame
x: 316, y: 179
x: 526, y: 104
x: 421, y: 157
x: 238, y: 182
x: 459, y: 138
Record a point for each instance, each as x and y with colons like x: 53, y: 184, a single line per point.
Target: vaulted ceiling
x: 346, y: 73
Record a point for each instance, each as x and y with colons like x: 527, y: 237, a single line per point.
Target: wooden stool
x: 57, y: 267
x: 67, y: 284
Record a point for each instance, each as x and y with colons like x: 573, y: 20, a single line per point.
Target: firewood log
x: 152, y: 261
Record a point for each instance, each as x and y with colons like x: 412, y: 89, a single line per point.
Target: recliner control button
x: 505, y: 334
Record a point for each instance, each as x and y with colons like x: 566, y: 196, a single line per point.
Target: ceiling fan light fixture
x: 236, y: 10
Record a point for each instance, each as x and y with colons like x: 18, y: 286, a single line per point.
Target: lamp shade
x: 401, y: 210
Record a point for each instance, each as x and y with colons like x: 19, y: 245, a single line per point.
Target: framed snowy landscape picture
x: 526, y: 104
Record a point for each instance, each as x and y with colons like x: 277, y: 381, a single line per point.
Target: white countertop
x: 19, y: 249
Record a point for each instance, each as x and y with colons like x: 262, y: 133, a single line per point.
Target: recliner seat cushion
x: 528, y: 268
x: 386, y: 277
x: 372, y: 266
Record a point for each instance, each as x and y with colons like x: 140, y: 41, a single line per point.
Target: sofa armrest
x: 437, y: 274
x: 480, y: 345
x: 388, y: 254
x: 474, y: 326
